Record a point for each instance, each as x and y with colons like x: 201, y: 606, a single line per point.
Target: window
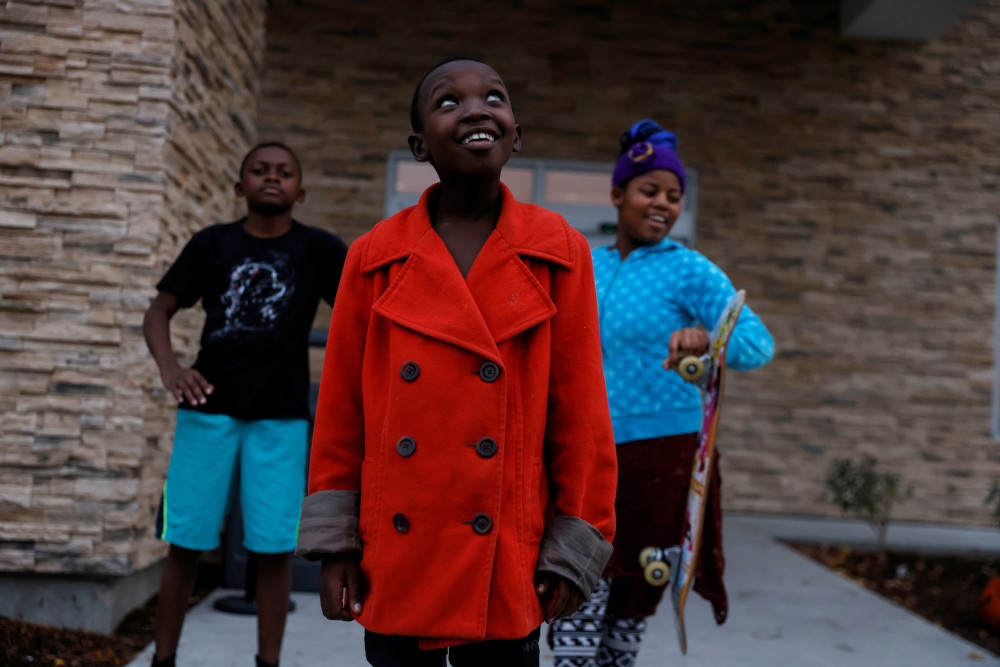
x: 580, y: 191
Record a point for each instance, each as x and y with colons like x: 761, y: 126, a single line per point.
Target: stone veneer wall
x: 121, y: 129
x: 211, y: 119
x: 850, y: 186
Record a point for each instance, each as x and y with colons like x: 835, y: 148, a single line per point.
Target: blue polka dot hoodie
x: 642, y: 300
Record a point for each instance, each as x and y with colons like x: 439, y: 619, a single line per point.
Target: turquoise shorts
x: 268, y: 456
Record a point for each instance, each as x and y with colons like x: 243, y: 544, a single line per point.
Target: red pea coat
x: 470, y: 413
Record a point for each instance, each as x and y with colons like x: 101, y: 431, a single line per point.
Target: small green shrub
x: 860, y: 490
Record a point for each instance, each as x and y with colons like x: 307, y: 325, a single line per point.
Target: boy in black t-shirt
x: 244, y: 402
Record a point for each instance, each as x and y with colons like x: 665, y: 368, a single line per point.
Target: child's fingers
x: 675, y: 346
x: 355, y: 591
x: 173, y: 382
x: 558, y: 609
x: 331, y: 602
x: 331, y: 589
x: 556, y: 602
x: 545, y: 591
x: 194, y: 395
x: 568, y: 600
x: 196, y: 387
x: 573, y: 603
x: 702, y: 342
x: 684, y: 342
x: 205, y: 385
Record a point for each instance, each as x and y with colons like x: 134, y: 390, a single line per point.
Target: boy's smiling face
x: 468, y: 126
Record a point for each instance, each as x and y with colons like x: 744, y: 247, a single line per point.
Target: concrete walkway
x: 784, y: 610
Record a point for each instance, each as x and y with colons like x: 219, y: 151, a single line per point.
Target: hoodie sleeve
x: 707, y: 290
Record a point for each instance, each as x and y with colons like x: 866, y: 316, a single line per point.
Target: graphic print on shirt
x: 257, y: 296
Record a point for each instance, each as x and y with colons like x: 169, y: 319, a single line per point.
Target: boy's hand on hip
x: 686, y: 342
x: 558, y: 596
x: 187, y: 384
x: 342, y: 586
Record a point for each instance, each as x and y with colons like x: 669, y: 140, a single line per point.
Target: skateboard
x: 674, y: 566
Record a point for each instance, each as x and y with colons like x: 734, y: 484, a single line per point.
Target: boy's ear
x: 417, y: 147
x: 617, y: 197
x: 301, y: 197
x: 238, y: 188
x: 517, y: 137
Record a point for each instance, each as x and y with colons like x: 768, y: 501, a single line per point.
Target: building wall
x: 121, y: 129
x: 849, y: 186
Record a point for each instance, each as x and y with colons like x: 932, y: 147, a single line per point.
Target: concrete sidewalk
x: 784, y: 610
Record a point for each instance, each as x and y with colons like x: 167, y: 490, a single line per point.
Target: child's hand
x: 558, y: 596
x: 686, y: 342
x: 186, y: 383
x: 341, y: 587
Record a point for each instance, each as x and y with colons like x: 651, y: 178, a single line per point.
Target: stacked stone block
x: 113, y: 150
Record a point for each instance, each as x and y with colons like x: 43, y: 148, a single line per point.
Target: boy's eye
x: 494, y: 96
x: 447, y: 101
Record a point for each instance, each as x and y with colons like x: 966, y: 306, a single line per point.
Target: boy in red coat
x: 462, y: 476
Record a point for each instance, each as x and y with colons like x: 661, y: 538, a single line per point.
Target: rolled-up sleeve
x: 329, y: 524
x: 575, y: 550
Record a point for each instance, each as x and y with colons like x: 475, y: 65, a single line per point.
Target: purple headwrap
x: 648, y: 147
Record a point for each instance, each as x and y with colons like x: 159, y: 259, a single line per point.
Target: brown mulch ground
x: 943, y: 589
x: 28, y: 645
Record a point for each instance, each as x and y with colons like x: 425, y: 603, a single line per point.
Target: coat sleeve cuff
x: 576, y: 551
x: 328, y: 524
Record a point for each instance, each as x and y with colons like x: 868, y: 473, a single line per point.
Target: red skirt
x: 653, y: 480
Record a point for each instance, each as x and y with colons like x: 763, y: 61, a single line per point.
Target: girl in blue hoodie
x: 653, y: 293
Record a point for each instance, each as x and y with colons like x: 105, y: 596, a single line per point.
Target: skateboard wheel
x: 691, y: 369
x: 648, y: 555
x: 657, y: 573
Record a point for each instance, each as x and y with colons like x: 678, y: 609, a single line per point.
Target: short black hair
x: 270, y: 144
x: 414, y: 111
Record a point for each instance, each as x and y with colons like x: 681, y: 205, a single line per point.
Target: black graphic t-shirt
x: 260, y: 298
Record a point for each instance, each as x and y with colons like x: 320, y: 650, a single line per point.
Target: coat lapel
x: 501, y: 296
x: 509, y: 297
x: 430, y: 296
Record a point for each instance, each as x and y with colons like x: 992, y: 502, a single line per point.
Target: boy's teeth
x: 478, y: 136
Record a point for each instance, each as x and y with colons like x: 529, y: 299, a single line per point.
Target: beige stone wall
x: 851, y: 187
x: 211, y: 113
x: 99, y: 183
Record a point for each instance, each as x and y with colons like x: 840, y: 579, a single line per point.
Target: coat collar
x: 500, y: 298
x: 528, y: 229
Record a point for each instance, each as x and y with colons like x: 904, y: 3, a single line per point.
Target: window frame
x: 995, y: 422
x: 597, y: 223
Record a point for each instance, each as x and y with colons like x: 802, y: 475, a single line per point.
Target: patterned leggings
x: 593, y: 637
